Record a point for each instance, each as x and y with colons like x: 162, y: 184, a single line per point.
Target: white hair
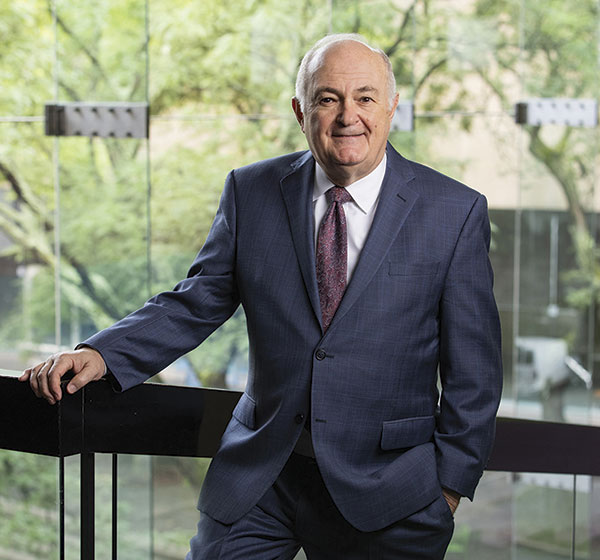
x: 314, y: 57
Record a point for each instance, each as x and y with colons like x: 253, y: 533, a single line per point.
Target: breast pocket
x: 413, y: 284
x: 413, y: 269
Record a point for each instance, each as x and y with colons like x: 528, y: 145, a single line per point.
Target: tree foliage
x: 219, y: 79
x: 219, y: 76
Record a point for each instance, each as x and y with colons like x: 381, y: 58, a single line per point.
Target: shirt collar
x: 364, y: 191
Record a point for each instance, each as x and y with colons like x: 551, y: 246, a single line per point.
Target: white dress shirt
x: 359, y: 212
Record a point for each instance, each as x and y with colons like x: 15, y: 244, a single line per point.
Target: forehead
x: 348, y: 64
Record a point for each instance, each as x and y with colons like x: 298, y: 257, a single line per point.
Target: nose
x: 348, y: 114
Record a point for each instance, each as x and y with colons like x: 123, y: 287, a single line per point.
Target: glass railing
x: 87, y: 468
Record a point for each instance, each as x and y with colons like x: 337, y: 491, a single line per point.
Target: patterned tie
x: 332, y: 254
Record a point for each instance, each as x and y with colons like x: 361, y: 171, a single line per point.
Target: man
x: 340, y: 443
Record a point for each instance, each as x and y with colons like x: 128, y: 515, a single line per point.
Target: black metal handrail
x: 151, y: 419
x: 154, y: 419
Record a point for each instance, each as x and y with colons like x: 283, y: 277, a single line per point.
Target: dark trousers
x: 297, y: 511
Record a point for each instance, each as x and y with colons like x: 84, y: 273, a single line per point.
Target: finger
x: 33, y: 379
x: 60, y: 366
x: 55, y: 372
x: 42, y: 381
x: 25, y: 375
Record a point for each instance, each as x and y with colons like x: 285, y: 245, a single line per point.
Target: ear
x: 298, y: 112
x: 394, y: 105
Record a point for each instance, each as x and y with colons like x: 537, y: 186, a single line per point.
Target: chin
x: 349, y: 158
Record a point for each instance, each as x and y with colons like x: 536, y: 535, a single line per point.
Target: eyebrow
x: 328, y: 89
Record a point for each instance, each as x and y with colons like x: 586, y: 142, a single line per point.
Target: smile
x: 348, y: 135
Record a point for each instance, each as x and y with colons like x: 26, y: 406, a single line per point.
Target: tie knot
x: 338, y: 194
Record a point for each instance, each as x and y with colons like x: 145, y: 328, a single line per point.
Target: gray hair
x: 313, y: 57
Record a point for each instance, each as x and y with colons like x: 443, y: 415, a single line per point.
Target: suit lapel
x: 297, y: 190
x: 395, y: 203
x: 396, y: 200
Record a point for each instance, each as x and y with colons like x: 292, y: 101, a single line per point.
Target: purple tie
x: 332, y: 254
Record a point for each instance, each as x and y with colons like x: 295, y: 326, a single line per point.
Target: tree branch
x: 553, y: 161
x: 23, y: 228
x: 428, y: 74
x: 81, y: 45
x: 407, y: 16
x: 13, y: 182
x: 70, y: 91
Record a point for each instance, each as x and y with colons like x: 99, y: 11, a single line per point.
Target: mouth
x: 357, y: 135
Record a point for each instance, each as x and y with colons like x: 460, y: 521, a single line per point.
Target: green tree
x: 220, y: 83
x: 550, y: 50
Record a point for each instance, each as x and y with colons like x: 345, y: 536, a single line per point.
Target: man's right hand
x: 86, y: 363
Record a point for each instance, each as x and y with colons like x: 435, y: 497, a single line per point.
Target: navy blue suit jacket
x: 420, y: 301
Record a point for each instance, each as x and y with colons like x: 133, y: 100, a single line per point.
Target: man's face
x: 347, y: 115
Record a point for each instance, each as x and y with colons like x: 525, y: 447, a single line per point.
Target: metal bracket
x: 104, y: 120
x: 560, y: 111
x: 404, y: 116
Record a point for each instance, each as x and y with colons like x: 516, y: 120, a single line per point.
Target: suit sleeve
x: 174, y: 322
x: 470, y: 358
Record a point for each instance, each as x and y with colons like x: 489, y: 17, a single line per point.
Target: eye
x: 326, y: 100
x: 366, y: 99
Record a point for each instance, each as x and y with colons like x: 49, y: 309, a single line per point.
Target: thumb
x: 90, y: 369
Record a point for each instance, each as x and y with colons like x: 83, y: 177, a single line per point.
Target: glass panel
x: 72, y: 470
x: 104, y: 221
x: 524, y: 516
x: 230, y: 59
x: 135, y: 502
x: 26, y: 244
x: 103, y: 182
x: 176, y: 486
x: 27, y: 60
x: 593, y: 516
x: 555, y: 335
x: 101, y: 50
x: 587, y: 516
x: 222, y: 76
x: 103, y: 506
x: 553, y: 365
x: 557, y: 58
x: 26, y: 196
x: 28, y: 506
x: 103, y: 224
x: 483, y: 528
x: 543, y: 516
x: 465, y: 54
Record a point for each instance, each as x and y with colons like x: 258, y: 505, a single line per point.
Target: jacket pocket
x: 245, y: 411
x: 413, y: 269
x: 407, y: 432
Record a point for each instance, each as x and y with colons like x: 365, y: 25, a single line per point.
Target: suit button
x: 320, y: 354
x: 299, y: 418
